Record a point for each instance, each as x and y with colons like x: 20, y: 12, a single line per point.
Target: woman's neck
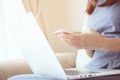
x: 93, y: 3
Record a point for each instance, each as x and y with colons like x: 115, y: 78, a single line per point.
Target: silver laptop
x: 41, y: 57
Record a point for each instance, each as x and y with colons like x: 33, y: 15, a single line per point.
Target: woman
x: 102, y: 41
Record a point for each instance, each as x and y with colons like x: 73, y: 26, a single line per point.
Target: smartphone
x: 61, y: 31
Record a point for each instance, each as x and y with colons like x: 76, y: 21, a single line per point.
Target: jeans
x: 32, y: 77
x: 43, y: 77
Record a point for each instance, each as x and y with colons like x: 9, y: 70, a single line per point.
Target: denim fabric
x: 41, y: 77
x: 32, y: 77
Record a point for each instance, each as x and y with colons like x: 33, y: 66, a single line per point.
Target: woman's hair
x: 92, y: 4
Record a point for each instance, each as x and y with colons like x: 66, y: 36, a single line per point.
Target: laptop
x: 40, y: 56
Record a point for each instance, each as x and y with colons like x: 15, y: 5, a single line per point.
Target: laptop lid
x: 36, y: 49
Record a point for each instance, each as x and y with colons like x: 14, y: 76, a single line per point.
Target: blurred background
x: 51, y: 15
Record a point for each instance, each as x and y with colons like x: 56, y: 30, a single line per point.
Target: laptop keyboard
x: 77, y: 72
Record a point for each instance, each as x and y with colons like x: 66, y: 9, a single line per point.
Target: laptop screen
x: 36, y: 49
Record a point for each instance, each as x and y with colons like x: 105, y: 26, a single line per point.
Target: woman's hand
x: 91, y: 40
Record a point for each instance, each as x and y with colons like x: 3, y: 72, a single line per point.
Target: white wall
x: 2, y: 32
x: 12, y: 11
x: 62, y: 14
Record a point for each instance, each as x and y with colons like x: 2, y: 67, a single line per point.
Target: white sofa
x: 15, y: 67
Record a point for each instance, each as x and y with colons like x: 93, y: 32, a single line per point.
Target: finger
x: 66, y: 40
x: 77, y: 33
x: 66, y: 35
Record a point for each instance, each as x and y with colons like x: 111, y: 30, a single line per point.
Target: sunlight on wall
x: 12, y: 10
x: 2, y: 32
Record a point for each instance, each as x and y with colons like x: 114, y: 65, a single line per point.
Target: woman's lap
x: 43, y: 77
x: 32, y: 77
